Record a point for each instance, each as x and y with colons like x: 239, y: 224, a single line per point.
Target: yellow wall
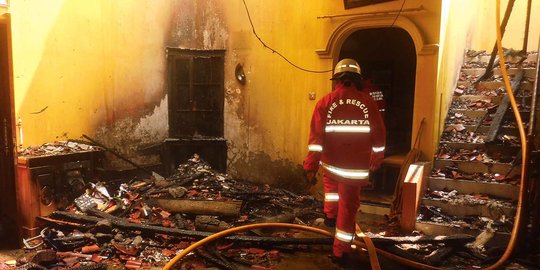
x: 80, y: 67
x: 482, y: 31
x: 98, y: 68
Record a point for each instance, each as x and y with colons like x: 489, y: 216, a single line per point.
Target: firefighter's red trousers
x: 341, y: 202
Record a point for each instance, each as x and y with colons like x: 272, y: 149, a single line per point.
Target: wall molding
x: 343, y: 31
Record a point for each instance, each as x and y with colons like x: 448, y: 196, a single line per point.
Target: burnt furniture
x: 47, y: 183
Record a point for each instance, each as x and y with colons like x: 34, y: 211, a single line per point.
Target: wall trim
x: 343, y: 31
x: 429, y: 49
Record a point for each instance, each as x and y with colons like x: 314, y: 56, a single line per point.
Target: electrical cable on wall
x: 285, y: 58
x: 399, y: 13
x: 380, y: 42
x: 275, y: 51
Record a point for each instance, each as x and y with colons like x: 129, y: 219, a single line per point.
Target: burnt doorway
x: 387, y: 56
x: 8, y: 207
x: 196, y: 102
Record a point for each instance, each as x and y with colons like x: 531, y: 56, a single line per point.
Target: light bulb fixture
x: 239, y: 74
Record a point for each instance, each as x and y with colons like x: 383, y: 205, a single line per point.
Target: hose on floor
x: 372, y: 251
x: 227, y: 232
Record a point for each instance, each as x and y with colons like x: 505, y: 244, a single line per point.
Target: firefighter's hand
x: 310, y: 178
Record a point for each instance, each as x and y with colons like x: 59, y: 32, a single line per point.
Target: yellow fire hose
x: 369, y: 244
x: 372, y: 251
x: 524, y: 157
x: 227, y: 232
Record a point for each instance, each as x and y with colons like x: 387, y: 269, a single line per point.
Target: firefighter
x: 347, y: 139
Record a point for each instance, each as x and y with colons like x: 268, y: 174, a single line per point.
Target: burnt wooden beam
x: 200, y: 207
x: 61, y: 222
x: 460, y: 239
x: 502, y: 109
x: 216, y: 261
x: 489, y: 68
x: 377, y: 240
x: 437, y: 256
x: 126, y: 225
x: 210, y: 224
x: 118, y: 155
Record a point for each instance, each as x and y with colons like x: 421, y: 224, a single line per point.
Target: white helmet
x: 346, y: 65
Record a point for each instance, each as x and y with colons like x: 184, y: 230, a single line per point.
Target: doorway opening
x: 387, y: 56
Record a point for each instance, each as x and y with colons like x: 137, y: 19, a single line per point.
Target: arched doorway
x: 387, y: 56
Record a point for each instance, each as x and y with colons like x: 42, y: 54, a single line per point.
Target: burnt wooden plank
x: 126, y: 225
x: 502, y: 109
x: 201, y: 207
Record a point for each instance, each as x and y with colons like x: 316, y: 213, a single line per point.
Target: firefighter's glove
x: 310, y: 178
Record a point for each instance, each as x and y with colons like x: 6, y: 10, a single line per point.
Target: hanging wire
x: 381, y: 41
x: 275, y: 51
x: 399, y: 13
x: 285, y: 58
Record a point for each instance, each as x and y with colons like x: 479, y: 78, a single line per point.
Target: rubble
x: 143, y: 223
x: 454, y: 173
x: 453, y: 197
x: 59, y: 148
x: 126, y: 224
x: 428, y: 213
x: 455, y: 118
x: 463, y: 136
x: 477, y: 154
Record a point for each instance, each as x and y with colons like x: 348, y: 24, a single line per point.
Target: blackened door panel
x: 8, y: 207
x: 196, y: 92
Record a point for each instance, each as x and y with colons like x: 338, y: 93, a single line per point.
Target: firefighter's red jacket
x: 347, y: 132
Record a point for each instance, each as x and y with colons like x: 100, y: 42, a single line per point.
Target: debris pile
x: 514, y: 59
x: 463, y: 136
x: 456, y: 118
x: 144, y: 223
x: 58, y: 148
x: 450, y: 172
x: 454, y: 198
x: 478, y: 154
x: 429, y: 213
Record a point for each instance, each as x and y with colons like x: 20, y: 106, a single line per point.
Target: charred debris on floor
x: 143, y: 223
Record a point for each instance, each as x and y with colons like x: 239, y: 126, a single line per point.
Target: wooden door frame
x: 10, y: 209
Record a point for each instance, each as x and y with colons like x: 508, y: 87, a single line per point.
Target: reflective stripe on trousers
x: 344, y: 236
x: 346, y: 173
x: 331, y: 197
x: 315, y: 147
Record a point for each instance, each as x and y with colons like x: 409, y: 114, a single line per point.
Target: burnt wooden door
x: 8, y: 207
x: 196, y: 98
